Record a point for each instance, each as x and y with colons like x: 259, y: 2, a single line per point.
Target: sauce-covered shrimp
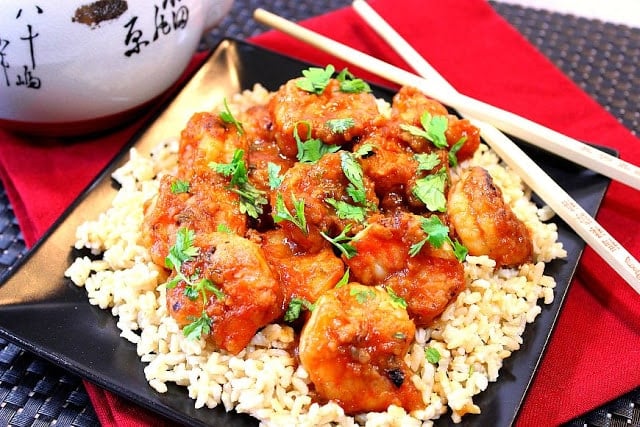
x: 484, y: 222
x: 427, y: 279
x: 249, y: 296
x: 353, y: 347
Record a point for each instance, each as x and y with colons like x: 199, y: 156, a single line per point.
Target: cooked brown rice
x: 474, y: 335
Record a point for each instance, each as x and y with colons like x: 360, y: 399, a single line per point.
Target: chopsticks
x: 437, y: 87
x: 527, y: 130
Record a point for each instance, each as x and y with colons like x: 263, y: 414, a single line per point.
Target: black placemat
x: 602, y: 58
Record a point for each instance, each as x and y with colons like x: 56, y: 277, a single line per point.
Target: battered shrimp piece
x: 353, y: 347
x: 252, y: 297
x: 427, y: 281
x: 485, y: 224
x: 315, y: 184
x: 409, y: 104
x: 207, y: 205
x: 291, y: 105
x: 263, y: 149
x: 205, y: 139
x: 302, y: 274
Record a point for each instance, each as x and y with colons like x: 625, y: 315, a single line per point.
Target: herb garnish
x: 179, y: 186
x: 396, y: 300
x: 341, y: 241
x: 182, y: 251
x: 343, y: 280
x: 433, y: 129
x: 437, y: 235
x: 350, y: 84
x: 312, y: 149
x: 362, y: 296
x: 251, y: 199
x: 432, y: 354
x: 453, y: 151
x: 281, y: 213
x: 340, y: 125
x: 227, y: 117
x: 426, y: 161
x: 273, y: 171
x: 345, y: 210
x: 296, y: 305
x: 430, y: 190
x: 315, y: 79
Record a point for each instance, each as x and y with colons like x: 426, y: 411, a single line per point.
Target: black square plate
x: 43, y: 312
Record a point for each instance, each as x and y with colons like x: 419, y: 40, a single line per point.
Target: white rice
x: 474, y: 335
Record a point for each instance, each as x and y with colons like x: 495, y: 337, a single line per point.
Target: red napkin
x: 593, y: 354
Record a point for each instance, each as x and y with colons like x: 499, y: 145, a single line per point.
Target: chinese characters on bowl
x: 72, y: 67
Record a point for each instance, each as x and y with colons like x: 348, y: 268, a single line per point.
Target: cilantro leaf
x: 396, y: 300
x: 182, y: 250
x: 340, y: 125
x: 227, y: 117
x: 341, y: 241
x: 296, y: 305
x: 427, y: 162
x: 350, y: 84
x: 430, y: 190
x: 437, y: 232
x: 433, y: 129
x: 311, y: 150
x: 179, y: 186
x: 460, y: 251
x: 199, y: 327
x: 273, y: 172
x: 344, y: 279
x: 432, y: 354
x: 315, y: 79
x: 453, y: 151
x: 353, y: 171
x: 252, y: 200
x: 346, y: 211
x: 281, y: 213
x: 364, y: 150
x: 362, y: 296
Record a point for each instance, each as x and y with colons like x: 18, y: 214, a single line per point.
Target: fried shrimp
x: 427, y: 280
x: 353, y: 347
x: 295, y: 109
x: 250, y: 296
x: 486, y: 224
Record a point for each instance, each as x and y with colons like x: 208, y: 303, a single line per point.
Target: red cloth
x: 593, y: 354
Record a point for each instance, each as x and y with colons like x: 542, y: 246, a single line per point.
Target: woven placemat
x: 602, y: 58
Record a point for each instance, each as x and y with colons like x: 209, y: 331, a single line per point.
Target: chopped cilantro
x: 396, y: 300
x: 453, y: 151
x: 281, y: 213
x: 340, y: 125
x: 427, y: 162
x: 437, y: 235
x: 362, y: 296
x: 223, y: 228
x: 345, y: 210
x: 353, y: 171
x: 182, y: 251
x: 311, y: 150
x: 344, y: 279
x: 433, y: 129
x: 350, y: 84
x: 315, y: 79
x: 251, y: 199
x: 273, y: 171
x: 227, y: 117
x: 432, y: 354
x: 179, y: 186
x: 430, y: 190
x: 364, y: 150
x: 341, y: 241
x: 400, y: 336
x: 295, y: 308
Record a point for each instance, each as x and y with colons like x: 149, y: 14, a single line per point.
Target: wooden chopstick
x: 548, y: 190
x: 527, y: 130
